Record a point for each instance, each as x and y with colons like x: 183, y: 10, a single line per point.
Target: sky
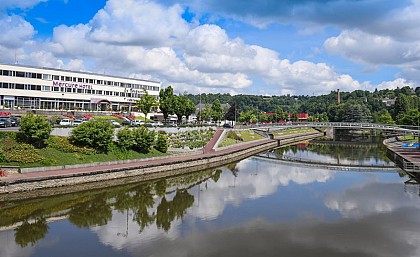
x: 270, y: 47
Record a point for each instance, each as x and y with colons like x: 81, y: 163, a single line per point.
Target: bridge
x: 275, y: 127
x: 326, y: 165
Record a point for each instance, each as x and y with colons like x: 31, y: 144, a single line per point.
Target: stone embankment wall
x: 114, y: 177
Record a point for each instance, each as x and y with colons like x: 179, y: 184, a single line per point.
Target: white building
x: 54, y: 89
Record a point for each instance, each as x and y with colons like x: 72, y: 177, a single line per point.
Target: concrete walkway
x: 208, y: 152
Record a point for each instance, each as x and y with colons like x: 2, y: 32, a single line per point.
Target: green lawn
x: 245, y: 135
x: 13, y: 153
x: 294, y: 131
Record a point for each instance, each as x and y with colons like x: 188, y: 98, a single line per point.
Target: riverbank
x: 81, y: 178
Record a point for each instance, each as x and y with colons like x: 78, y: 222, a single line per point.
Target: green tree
x: 146, y: 102
x: 232, y: 112
x: 162, y: 142
x: 183, y: 107
x: 35, y: 129
x: 355, y: 112
x: 143, y: 139
x: 125, y: 139
x: 383, y: 117
x: 97, y: 134
x: 402, y: 105
x: 412, y: 117
x: 217, y: 110
x: 166, y: 101
x: 206, y: 113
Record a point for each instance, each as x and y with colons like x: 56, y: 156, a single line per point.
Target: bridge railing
x: 401, y: 128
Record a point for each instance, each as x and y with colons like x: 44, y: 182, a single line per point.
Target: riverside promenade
x: 143, y: 169
x: 407, y: 158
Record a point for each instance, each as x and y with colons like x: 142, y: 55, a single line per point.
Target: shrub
x: 35, y: 129
x: 162, y: 143
x: 232, y: 135
x: 64, y: 145
x: 143, y: 139
x: 97, y: 134
x: 24, y: 153
x: 125, y: 138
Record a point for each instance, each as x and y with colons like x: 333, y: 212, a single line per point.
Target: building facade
x: 35, y: 88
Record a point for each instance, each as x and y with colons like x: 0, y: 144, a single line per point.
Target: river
x: 255, y: 207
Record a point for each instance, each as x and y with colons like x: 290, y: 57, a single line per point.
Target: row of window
x: 75, y: 79
x: 135, y: 94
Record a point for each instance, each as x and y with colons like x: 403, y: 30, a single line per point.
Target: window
x: 68, y: 90
x: 80, y: 80
x: 56, y: 89
x: 99, y: 92
x: 80, y: 91
x: 68, y: 79
x: 55, y: 77
x: 19, y: 86
x: 20, y: 74
x: 88, y: 91
x: 46, y: 76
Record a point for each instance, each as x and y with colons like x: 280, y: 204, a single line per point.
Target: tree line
x: 356, y: 106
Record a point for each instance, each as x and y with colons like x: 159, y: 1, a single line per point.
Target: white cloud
x: 130, y: 22
x: 21, y: 4
x: 141, y: 37
x: 15, y: 31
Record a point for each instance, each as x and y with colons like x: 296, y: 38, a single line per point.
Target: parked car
x: 227, y: 125
x: 76, y: 122
x: 15, y: 121
x: 137, y: 123
x: 157, y: 124
x: 115, y: 123
x: 5, y: 122
x: 65, y: 122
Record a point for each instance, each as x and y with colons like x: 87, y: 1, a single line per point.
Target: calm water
x: 344, y: 154
x: 253, y: 208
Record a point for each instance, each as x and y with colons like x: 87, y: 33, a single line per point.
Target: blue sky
x: 272, y: 47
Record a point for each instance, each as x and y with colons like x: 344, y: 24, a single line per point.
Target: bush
x: 97, y: 134
x: 125, y: 138
x: 162, y: 143
x: 232, y: 135
x: 143, y: 139
x: 64, y: 145
x: 24, y: 153
x: 35, y: 129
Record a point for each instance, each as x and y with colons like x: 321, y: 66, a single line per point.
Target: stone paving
x: 208, y: 151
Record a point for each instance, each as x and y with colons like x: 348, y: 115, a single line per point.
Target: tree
x: 35, y: 129
x: 97, y: 134
x: 383, y: 117
x: 166, y: 101
x: 402, y: 105
x: 217, y: 110
x: 206, y: 113
x: 162, y: 142
x: 355, y: 112
x: 412, y: 117
x: 232, y: 113
x: 183, y: 107
x: 146, y: 102
x: 125, y: 139
x: 143, y: 139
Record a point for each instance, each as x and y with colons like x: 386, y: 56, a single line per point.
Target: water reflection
x: 251, y: 208
x: 344, y: 154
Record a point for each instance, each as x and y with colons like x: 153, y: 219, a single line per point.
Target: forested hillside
x: 356, y: 106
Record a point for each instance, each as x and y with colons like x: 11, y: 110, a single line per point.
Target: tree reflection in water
x: 94, y: 208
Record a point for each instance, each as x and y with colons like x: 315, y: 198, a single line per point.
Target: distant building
x: 39, y: 88
x: 202, y: 106
x: 388, y: 102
